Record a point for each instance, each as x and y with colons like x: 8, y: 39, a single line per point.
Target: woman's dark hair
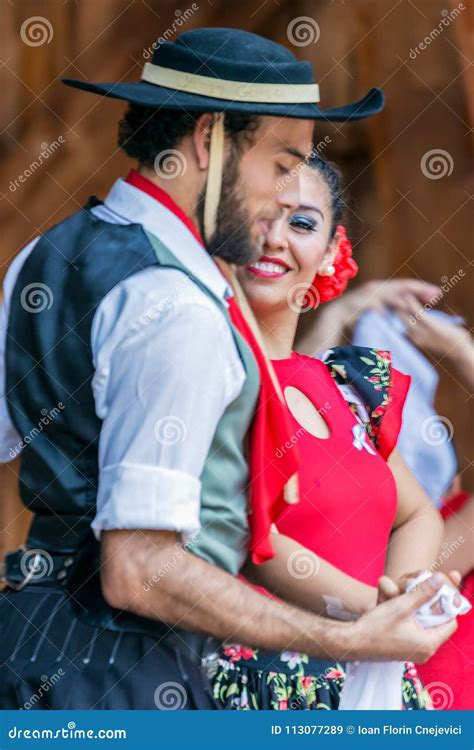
x: 144, y: 132
x: 332, y: 176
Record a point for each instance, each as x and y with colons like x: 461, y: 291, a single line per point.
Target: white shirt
x: 166, y: 368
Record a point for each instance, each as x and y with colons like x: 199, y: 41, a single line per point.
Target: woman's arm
x: 302, y: 578
x: 458, y: 542
x: 299, y: 576
x: 418, y: 528
x: 445, y: 339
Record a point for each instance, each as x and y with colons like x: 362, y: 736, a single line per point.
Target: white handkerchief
x: 445, y: 596
x: 378, y: 685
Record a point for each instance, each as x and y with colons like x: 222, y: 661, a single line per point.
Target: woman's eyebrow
x: 309, y: 207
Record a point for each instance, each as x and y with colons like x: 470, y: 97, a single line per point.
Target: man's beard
x: 232, y: 240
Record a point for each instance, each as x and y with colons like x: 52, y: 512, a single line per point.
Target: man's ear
x: 202, y: 138
x: 331, y: 251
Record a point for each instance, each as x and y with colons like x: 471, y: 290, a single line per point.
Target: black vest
x: 49, y: 370
x: 49, y: 367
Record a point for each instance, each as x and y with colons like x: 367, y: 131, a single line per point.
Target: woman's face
x: 297, y: 246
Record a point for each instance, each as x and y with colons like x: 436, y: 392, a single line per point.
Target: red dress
x: 449, y: 674
x: 345, y: 515
x: 348, y: 495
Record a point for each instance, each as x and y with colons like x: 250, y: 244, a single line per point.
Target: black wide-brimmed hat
x: 230, y: 70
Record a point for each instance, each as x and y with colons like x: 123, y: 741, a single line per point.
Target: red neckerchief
x: 271, y: 426
x: 149, y: 187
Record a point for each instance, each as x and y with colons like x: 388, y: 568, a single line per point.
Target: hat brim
x: 150, y: 95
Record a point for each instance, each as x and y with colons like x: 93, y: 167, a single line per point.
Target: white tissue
x: 377, y: 685
x: 445, y: 595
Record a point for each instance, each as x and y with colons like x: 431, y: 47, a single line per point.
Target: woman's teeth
x: 268, y: 267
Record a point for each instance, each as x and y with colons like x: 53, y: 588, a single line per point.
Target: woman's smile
x: 269, y: 267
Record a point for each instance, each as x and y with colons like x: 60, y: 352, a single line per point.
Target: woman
x: 401, y: 319
x: 361, y: 512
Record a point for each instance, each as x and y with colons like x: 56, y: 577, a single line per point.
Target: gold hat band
x: 238, y: 91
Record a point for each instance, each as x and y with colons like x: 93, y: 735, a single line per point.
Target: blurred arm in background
x: 334, y: 321
x: 444, y: 340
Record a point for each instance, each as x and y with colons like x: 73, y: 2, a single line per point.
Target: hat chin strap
x: 214, y: 176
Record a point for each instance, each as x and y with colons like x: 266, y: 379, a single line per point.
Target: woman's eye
x: 303, y: 223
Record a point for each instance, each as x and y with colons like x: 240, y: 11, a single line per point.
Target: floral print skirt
x: 251, y: 679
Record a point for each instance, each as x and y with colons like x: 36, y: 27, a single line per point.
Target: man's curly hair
x: 144, y: 132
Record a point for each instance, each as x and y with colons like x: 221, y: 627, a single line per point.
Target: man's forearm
x: 192, y: 594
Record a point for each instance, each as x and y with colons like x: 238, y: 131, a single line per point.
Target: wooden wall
x: 403, y: 223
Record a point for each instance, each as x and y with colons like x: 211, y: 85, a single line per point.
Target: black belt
x: 34, y: 566
x: 30, y: 567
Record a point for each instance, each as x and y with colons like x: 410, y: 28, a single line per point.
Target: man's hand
x: 391, y: 630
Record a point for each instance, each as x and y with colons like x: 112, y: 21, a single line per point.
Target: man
x: 138, y: 480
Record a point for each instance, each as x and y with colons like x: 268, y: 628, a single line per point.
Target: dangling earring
x: 328, y: 270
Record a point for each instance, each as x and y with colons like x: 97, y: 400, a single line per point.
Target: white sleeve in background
x: 10, y: 440
x: 166, y: 369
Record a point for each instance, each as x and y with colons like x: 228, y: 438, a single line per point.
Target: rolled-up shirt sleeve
x: 165, y: 374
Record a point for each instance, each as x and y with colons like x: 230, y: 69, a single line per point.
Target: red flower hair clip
x: 345, y: 268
